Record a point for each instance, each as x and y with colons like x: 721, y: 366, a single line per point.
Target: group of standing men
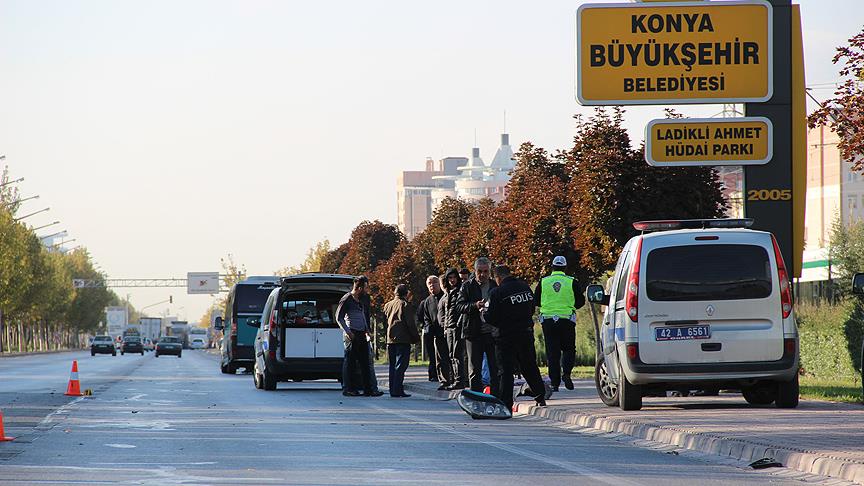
x: 489, y: 317
x: 468, y: 321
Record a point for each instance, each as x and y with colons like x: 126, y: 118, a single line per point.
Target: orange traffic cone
x: 487, y: 390
x: 3, y: 437
x: 74, y: 388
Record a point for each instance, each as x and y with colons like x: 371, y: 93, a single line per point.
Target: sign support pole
x: 775, y: 216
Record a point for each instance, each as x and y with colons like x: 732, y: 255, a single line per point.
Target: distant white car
x: 197, y: 343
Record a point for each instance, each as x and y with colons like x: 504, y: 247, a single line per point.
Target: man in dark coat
x: 480, y: 335
x: 434, y: 340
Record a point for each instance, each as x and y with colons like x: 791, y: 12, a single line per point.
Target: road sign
x: 202, y: 282
x: 708, y: 141
x: 117, y: 320
x: 674, y: 52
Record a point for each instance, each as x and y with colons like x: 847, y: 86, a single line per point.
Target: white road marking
x: 121, y: 446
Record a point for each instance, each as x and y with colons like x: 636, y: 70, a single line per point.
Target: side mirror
x: 254, y: 322
x: 219, y: 324
x: 858, y: 284
x: 596, y: 295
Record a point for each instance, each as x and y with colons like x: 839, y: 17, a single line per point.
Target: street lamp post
x: 31, y: 214
x: 11, y: 182
x: 59, y: 233
x: 45, y: 226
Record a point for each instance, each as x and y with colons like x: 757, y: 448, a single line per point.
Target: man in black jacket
x: 511, y: 311
x: 479, y: 335
x: 433, y: 334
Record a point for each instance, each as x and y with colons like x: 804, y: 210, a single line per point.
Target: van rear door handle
x: 711, y: 346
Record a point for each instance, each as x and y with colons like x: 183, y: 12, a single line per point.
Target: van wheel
x: 787, y: 393
x: 256, y: 378
x: 629, y: 395
x: 268, y: 379
x: 760, y: 394
x: 607, y: 390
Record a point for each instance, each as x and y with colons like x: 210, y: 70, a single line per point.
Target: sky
x: 165, y: 135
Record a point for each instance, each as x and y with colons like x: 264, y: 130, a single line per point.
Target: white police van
x: 698, y: 305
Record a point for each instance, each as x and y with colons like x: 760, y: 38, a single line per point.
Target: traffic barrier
x: 3, y: 437
x: 74, y: 387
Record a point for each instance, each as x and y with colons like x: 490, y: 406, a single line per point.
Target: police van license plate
x: 682, y: 333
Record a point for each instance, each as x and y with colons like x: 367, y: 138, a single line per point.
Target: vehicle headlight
x: 482, y: 406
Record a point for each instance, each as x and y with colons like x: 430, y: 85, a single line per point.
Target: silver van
x: 298, y: 337
x: 698, y: 305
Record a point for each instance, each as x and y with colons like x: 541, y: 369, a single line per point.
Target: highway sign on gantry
x: 708, y: 141
x: 674, y: 53
x: 202, y: 283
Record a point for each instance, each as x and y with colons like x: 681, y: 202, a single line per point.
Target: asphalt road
x: 180, y: 421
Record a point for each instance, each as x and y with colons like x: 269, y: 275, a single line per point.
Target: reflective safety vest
x: 556, y: 297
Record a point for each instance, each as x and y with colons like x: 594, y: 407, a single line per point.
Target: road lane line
x: 588, y: 472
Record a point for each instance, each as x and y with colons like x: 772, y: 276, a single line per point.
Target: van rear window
x: 708, y: 272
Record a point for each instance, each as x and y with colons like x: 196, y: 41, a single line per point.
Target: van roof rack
x: 676, y: 224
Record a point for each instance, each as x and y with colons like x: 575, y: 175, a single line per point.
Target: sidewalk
x: 823, y: 438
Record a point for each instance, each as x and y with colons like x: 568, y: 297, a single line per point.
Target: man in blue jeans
x: 352, y: 315
x: 401, y: 334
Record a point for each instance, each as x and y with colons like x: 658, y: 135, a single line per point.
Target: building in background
x: 834, y: 193
x: 419, y: 193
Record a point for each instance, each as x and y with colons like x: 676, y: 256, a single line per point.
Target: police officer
x: 559, y: 295
x: 510, y: 308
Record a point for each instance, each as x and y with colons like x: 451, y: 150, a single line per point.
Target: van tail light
x: 274, y: 324
x: 632, y: 350
x: 783, y: 277
x: 631, y: 300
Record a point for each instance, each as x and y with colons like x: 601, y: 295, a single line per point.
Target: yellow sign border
x: 675, y: 101
x: 699, y: 163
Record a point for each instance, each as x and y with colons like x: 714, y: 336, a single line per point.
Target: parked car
x: 132, y: 344
x: 169, y: 345
x: 102, y: 345
x: 298, y: 337
x: 698, y: 305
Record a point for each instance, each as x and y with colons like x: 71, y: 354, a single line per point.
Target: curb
x: 34, y: 353
x: 807, y: 462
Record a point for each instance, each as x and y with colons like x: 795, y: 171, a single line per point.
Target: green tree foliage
x: 846, y: 251
x: 844, y: 113
x: 314, y: 260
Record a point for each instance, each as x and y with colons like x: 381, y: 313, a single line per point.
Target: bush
x: 584, y: 339
x: 831, y: 338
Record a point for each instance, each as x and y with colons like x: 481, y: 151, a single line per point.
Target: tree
x: 314, y: 260
x: 441, y: 244
x: 371, y: 243
x: 611, y: 186
x: 845, y: 112
x: 535, y: 218
x: 486, y: 234
x: 333, y: 259
x: 604, y: 175
x: 846, y: 251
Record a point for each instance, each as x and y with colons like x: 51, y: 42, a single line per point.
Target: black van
x: 245, y: 301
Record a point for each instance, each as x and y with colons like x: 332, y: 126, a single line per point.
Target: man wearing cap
x: 559, y: 296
